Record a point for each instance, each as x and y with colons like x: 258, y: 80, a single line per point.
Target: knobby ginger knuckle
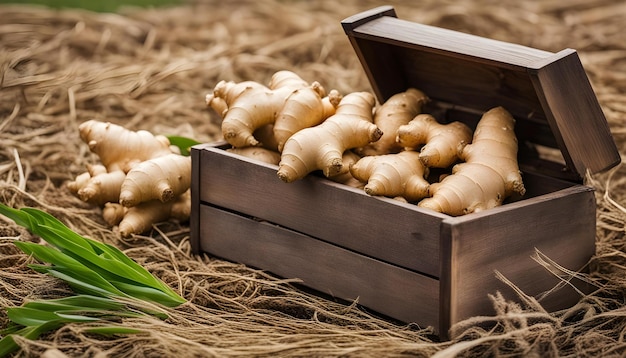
x: 140, y: 218
x: 247, y: 106
x: 443, y: 143
x: 490, y: 173
x: 322, y: 147
x: 398, y: 174
x: 120, y: 148
x: 398, y: 110
x: 162, y: 178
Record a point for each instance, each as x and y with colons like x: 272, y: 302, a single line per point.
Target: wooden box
x: 400, y: 260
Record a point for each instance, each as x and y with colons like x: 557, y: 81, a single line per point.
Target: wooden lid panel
x: 465, y: 75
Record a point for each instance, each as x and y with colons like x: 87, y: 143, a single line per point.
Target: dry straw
x: 151, y: 68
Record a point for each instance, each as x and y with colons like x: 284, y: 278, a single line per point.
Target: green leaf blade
x: 183, y: 143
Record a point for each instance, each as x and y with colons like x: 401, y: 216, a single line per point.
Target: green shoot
x: 183, y: 143
x: 106, y: 279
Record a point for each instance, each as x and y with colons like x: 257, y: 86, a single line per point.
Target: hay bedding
x: 150, y: 69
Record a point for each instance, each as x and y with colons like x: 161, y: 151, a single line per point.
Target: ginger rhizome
x: 490, y: 172
x: 322, y: 147
x: 398, y: 110
x: 344, y: 176
x: 258, y: 153
x: 97, y: 185
x: 304, y: 108
x: 162, y: 178
x: 119, y: 148
x: 443, y: 143
x: 392, y: 175
x: 139, y: 218
x: 248, y: 106
x: 136, y: 167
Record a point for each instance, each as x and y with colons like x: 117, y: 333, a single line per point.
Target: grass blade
x: 26, y: 316
x: 101, y: 271
x: 67, y: 268
x: 44, y: 220
x: 21, y: 218
x: 86, y: 281
x: 109, y: 268
x: 8, y: 345
x: 79, y: 302
x: 74, y: 250
x: 150, y: 294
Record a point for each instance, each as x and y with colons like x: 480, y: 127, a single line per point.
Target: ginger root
x: 247, y: 106
x: 258, y: 153
x: 304, y: 108
x: 119, y: 148
x: 140, y: 218
x: 344, y: 176
x: 322, y: 147
x: 162, y: 178
x: 489, y: 174
x: 136, y: 168
x: 398, y: 110
x: 97, y: 185
x: 443, y: 142
x: 392, y: 175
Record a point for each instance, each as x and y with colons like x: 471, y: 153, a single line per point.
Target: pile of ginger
x: 140, y: 180
x: 387, y: 149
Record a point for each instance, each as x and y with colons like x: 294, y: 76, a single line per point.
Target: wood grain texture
x: 323, y: 209
x: 385, y: 288
x: 561, y: 225
x: 576, y: 116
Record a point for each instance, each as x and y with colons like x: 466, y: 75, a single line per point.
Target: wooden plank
x: 374, y: 56
x: 387, y: 289
x: 387, y: 229
x: 404, y: 33
x: 575, y: 114
x: 194, y: 217
x: 561, y: 225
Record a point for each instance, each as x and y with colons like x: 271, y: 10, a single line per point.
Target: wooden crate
x: 402, y: 261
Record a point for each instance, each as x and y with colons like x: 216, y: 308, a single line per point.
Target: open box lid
x: 465, y: 75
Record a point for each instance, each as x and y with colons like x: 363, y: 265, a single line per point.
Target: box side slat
x: 194, y: 216
x: 578, y: 121
x: 387, y: 289
x: 383, y: 228
x: 560, y: 225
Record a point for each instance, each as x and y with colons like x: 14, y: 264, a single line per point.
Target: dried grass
x: 150, y: 69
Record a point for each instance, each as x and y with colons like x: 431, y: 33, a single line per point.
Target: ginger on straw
x: 322, y: 147
x: 392, y: 175
x: 119, y: 148
x: 136, y: 168
x: 247, y: 106
x: 97, y: 186
x: 398, y: 110
x: 140, y: 218
x: 162, y: 178
x: 443, y: 143
x: 489, y: 174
